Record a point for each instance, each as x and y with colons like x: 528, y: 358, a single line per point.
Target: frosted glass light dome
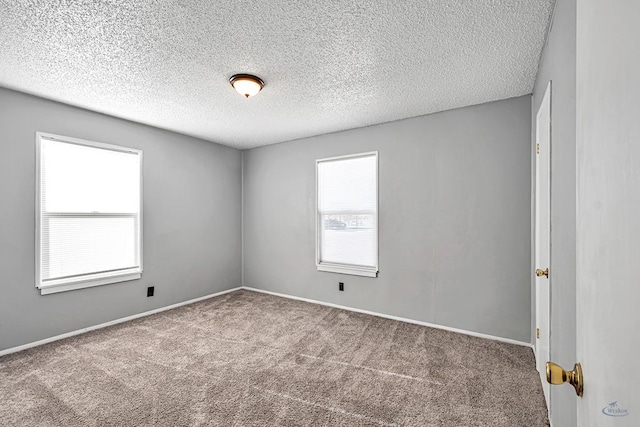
x: 246, y: 84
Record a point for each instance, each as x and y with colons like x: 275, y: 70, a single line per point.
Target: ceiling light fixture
x: 246, y: 84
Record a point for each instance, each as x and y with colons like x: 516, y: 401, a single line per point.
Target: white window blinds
x: 348, y: 214
x: 89, y: 222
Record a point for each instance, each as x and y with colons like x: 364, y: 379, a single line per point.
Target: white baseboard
x: 401, y: 319
x: 110, y: 323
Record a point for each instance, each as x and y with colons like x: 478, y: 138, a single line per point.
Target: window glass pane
x: 89, y: 221
x: 77, y: 246
x: 78, y: 178
x: 347, y: 185
x: 349, y: 239
x: 347, y: 205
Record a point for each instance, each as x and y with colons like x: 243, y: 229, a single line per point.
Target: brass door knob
x: 541, y: 273
x: 557, y: 375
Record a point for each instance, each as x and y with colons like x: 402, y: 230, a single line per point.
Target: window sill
x: 87, y: 283
x: 348, y: 269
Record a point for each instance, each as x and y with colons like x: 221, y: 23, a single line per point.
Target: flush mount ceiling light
x: 246, y: 84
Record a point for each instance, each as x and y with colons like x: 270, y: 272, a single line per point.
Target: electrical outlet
x: 150, y: 290
x: 340, y: 286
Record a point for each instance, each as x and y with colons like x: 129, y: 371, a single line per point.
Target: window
x: 347, y: 214
x: 88, y: 213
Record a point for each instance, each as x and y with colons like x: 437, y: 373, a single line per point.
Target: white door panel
x: 608, y: 212
x: 543, y: 235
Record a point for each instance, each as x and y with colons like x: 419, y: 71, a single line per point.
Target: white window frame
x: 88, y: 280
x: 356, y: 270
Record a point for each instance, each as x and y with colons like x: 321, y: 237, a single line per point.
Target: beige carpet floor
x: 250, y: 359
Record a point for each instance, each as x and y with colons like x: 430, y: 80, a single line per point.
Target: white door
x: 608, y: 212
x: 542, y: 235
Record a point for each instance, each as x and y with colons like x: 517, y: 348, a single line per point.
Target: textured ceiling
x: 327, y: 65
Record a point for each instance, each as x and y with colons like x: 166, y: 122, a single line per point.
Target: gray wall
x: 192, y: 220
x: 454, y: 219
x: 559, y: 65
